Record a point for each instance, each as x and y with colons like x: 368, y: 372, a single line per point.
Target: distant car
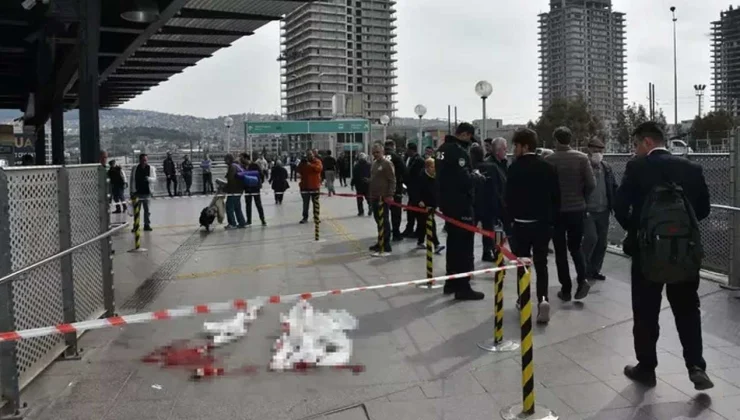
x: 679, y: 147
x: 541, y: 151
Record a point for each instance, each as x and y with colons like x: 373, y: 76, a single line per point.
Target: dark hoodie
x: 398, y: 166
x: 455, y: 178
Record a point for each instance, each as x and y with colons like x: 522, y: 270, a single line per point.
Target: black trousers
x: 292, y: 173
x: 188, y: 178
x: 568, y: 237
x: 308, y: 199
x: 421, y: 230
x: 383, y: 223
x: 171, y: 179
x: 459, y: 255
x: 532, y: 240
x: 412, y: 216
x: 486, y: 223
x: 279, y: 197
x: 207, y: 183
x: 396, y: 215
x: 361, y: 206
x: 684, y: 300
x: 257, y: 202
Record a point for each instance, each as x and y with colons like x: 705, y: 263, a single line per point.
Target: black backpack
x: 669, y: 239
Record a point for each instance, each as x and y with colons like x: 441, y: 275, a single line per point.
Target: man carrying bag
x: 660, y: 202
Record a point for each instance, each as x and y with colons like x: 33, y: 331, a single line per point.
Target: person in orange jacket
x: 310, y: 170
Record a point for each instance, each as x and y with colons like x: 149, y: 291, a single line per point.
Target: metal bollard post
x: 497, y: 344
x: 381, y: 226
x: 526, y: 410
x: 137, y: 225
x: 316, y: 216
x: 430, y: 251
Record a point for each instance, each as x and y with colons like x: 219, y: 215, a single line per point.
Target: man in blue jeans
x: 234, y: 187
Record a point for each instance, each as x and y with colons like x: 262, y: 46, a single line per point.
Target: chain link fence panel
x: 85, y: 224
x: 33, y: 208
x: 715, y: 229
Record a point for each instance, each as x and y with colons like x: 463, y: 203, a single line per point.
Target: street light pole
x: 675, y: 69
x: 484, y: 90
x: 420, y: 111
x: 700, y: 94
x: 385, y: 120
x: 228, y: 122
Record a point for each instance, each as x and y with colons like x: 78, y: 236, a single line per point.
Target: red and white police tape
x: 232, y: 305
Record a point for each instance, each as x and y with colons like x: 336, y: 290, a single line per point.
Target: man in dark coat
x: 456, y: 183
x: 488, y: 202
x: 414, y: 170
x: 360, y: 182
x: 170, y: 172
x: 654, y: 165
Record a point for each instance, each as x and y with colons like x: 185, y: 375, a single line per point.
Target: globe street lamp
x: 420, y: 110
x: 228, y: 122
x: 484, y: 90
x: 385, y: 120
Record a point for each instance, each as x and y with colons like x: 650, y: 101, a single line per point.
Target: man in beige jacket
x: 382, y: 188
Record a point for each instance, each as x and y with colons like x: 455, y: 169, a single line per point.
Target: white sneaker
x: 543, y: 312
x: 380, y: 254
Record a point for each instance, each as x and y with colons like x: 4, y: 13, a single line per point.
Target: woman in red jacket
x: 310, y: 171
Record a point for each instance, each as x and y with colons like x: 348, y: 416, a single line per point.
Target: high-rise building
x: 339, y: 47
x: 726, y: 61
x: 582, y: 53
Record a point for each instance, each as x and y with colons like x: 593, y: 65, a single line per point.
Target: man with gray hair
x: 496, y: 153
x: 577, y: 182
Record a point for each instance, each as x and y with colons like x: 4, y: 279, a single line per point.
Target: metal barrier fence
x: 160, y: 187
x: 43, y: 211
x: 721, y: 171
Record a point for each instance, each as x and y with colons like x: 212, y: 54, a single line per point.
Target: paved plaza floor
x: 418, y: 346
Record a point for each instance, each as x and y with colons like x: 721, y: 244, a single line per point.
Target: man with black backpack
x: 660, y: 202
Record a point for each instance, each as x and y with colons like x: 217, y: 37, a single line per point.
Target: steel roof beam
x: 190, y: 13
x: 165, y: 15
x: 179, y: 30
x: 161, y: 43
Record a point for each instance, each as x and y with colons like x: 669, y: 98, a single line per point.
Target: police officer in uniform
x: 455, y: 178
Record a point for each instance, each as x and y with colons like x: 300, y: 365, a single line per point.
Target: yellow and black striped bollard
x: 137, y: 225
x: 316, y: 216
x: 525, y: 321
x: 498, y: 333
x: 497, y: 343
x: 430, y: 251
x: 526, y: 410
x: 381, y: 226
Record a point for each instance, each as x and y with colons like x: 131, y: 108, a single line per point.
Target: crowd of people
x: 565, y: 197
x: 568, y: 197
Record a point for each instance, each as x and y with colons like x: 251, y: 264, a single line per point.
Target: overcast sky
x: 443, y: 50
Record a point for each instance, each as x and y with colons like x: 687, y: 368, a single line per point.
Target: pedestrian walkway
x: 418, y: 347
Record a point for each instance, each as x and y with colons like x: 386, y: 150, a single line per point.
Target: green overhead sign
x: 307, y: 127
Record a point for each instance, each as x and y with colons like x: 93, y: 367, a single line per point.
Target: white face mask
x: 596, y: 158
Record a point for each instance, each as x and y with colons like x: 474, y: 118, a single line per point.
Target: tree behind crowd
x: 574, y: 114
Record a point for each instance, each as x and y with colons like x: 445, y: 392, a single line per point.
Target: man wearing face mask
x: 599, y: 207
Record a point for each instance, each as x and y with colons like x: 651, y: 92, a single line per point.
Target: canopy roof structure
x: 57, y: 55
x: 40, y: 47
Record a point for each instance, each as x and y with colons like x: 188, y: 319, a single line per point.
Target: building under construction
x: 339, y: 47
x: 582, y: 53
x: 726, y: 61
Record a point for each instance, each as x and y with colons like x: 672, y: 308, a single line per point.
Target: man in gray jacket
x: 599, y: 207
x: 577, y: 181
